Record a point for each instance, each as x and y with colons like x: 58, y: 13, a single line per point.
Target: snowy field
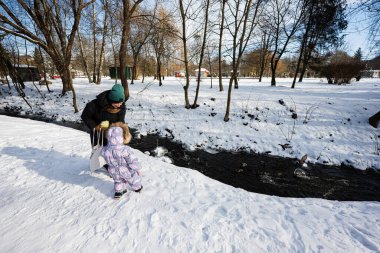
x: 331, y: 126
x: 50, y: 203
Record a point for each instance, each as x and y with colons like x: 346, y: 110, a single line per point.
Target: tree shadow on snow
x: 69, y: 169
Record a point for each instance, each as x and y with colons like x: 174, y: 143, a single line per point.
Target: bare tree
x: 264, y: 50
x: 184, y: 19
x: 40, y: 60
x: 94, y: 50
x: 129, y: 8
x: 285, y: 17
x: 8, y: 68
x: 206, y: 14
x: 102, y: 47
x: 95, y: 24
x: 371, y: 10
x: 83, y: 57
x: 140, y: 31
x: 310, y: 7
x: 114, y: 24
x: 223, y: 4
x: 50, y: 18
x: 30, y: 72
x: 162, y: 39
x: 241, y: 28
x: 147, y: 62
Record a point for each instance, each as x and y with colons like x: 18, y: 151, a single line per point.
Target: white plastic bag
x: 96, y: 160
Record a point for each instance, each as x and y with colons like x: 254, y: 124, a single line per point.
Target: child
x: 123, y: 165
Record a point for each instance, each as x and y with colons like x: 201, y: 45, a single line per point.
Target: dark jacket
x: 96, y: 112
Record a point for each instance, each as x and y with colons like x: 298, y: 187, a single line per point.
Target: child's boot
x: 119, y: 194
x: 139, y: 190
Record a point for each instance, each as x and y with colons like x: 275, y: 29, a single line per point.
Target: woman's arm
x: 88, y: 115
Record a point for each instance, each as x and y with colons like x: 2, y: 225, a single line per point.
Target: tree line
x: 93, y: 33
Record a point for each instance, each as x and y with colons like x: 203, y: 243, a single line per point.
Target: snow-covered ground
x: 331, y: 125
x: 50, y: 203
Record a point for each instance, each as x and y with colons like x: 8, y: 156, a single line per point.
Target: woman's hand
x: 104, y: 125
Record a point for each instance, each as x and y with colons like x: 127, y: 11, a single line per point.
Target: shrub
x: 339, y: 68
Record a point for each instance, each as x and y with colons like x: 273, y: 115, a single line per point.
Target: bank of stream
x: 260, y: 173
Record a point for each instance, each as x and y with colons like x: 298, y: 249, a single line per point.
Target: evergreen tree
x: 358, y: 54
x: 327, y: 20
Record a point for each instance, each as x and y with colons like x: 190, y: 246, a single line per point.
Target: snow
x: 51, y: 203
x: 331, y: 125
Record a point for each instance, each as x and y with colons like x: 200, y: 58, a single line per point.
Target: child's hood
x: 126, y: 134
x: 115, y: 136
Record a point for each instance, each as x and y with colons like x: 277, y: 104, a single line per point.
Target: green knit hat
x: 116, y: 94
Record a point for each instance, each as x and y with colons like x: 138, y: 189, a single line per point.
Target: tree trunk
x: 123, y: 46
x: 227, y: 115
x: 44, y: 67
x: 128, y: 11
x: 299, y: 59
x: 263, y: 55
x: 105, y: 31
x: 159, y: 78
x: 273, y: 67
x: 306, y: 59
x: 114, y: 60
x: 133, y: 72
x: 134, y: 67
x: 186, y: 62
x: 209, y: 65
x: 84, y: 62
x: 113, y: 48
x: 30, y: 72
x: 303, y: 43
x: 94, y: 43
x: 220, y: 46
x: 143, y: 75
x: 68, y: 85
x: 202, y: 55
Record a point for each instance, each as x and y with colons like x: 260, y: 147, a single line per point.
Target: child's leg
x: 131, y: 177
x: 135, y: 181
x: 119, y: 183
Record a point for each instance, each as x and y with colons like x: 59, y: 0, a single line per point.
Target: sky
x: 356, y: 35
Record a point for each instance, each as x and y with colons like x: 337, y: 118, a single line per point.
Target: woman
x: 108, y: 107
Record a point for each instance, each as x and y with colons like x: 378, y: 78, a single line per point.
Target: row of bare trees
x: 187, y: 31
x: 54, y: 25
x: 275, y: 27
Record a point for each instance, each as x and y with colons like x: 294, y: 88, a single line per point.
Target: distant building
x: 28, y: 73
x: 373, y: 67
x: 115, y: 72
x: 180, y: 73
x: 204, y: 72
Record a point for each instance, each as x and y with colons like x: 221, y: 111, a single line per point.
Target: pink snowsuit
x: 123, y: 164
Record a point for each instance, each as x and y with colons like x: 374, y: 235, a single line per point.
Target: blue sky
x: 357, y: 34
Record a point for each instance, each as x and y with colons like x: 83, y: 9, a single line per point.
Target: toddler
x: 123, y: 164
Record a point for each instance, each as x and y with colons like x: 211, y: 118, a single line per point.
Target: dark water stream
x: 259, y: 173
